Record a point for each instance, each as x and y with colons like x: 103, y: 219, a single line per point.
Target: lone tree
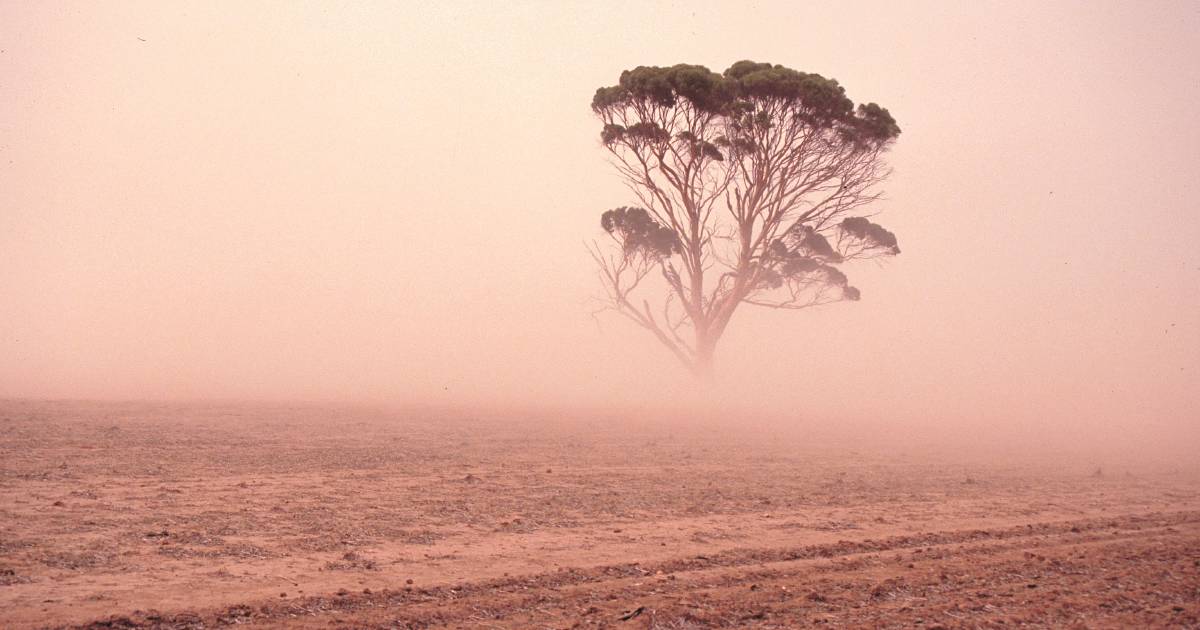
x: 749, y: 185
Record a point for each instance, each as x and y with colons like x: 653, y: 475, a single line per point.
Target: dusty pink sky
x: 389, y: 202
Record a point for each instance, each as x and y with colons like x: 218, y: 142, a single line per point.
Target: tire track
x: 871, y: 581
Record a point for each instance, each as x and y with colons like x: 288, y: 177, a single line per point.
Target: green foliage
x: 748, y: 176
x: 792, y: 266
x: 873, y: 124
x: 700, y: 147
x: 639, y: 233
x: 803, y: 255
x: 821, y: 100
x: 741, y: 95
x: 664, y: 87
x: 871, y: 235
x: 809, y: 242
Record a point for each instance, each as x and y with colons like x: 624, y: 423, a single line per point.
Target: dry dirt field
x: 175, y: 516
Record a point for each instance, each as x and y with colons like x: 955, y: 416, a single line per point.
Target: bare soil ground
x: 175, y: 516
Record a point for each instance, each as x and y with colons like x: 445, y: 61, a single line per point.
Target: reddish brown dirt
x: 172, y: 516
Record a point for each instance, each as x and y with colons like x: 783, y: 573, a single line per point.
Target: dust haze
x: 378, y: 213
x: 389, y: 204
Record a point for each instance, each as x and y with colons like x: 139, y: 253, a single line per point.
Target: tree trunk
x: 702, y: 364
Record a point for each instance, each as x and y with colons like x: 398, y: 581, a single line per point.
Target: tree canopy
x: 749, y: 185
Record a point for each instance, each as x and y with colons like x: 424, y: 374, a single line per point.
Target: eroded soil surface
x: 174, y: 516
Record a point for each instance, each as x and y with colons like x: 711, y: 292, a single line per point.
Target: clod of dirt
x: 9, y: 577
x: 58, y: 504
x: 630, y: 614
x: 351, y: 560
x: 117, y: 621
x: 408, y: 581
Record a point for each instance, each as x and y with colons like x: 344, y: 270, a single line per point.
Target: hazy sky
x: 390, y: 202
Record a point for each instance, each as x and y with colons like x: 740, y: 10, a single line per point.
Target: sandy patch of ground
x: 144, y: 515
